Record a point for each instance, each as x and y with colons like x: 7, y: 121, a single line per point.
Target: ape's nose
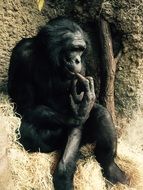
x: 77, y: 60
x: 75, y: 66
x: 73, y: 63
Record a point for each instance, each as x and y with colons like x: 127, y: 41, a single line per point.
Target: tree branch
x: 107, y: 68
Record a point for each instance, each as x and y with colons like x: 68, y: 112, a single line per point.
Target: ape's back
x: 19, y: 73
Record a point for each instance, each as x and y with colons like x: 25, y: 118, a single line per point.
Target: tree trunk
x: 107, y: 68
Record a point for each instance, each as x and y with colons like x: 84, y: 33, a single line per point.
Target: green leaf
x: 40, y: 4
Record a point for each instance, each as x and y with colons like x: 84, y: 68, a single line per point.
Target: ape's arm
x: 22, y: 90
x: 66, y: 166
x: 43, y: 114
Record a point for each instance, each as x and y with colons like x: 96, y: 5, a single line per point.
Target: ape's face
x: 72, y: 53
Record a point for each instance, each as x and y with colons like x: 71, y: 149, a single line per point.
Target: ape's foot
x: 114, y: 174
x: 63, y: 184
x: 62, y: 181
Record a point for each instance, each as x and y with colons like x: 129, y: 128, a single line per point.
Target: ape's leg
x: 37, y: 138
x: 43, y: 129
x: 63, y: 177
x: 100, y: 128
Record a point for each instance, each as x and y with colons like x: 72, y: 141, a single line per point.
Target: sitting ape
x: 50, y: 88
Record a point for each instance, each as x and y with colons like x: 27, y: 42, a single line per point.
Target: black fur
x: 40, y: 82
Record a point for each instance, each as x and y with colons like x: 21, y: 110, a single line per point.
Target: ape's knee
x: 99, y: 111
x: 66, y: 169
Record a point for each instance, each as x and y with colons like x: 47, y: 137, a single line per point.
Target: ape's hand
x: 82, y: 103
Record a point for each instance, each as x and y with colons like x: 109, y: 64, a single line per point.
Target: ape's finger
x: 76, y: 97
x: 73, y: 88
x: 85, y: 82
x: 81, y: 77
x: 73, y: 105
x: 91, y: 84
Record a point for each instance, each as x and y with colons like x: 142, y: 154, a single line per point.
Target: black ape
x: 48, y: 82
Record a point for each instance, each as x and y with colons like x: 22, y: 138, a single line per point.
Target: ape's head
x: 65, y: 46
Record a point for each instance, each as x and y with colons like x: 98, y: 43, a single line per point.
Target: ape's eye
x: 78, y: 48
x: 82, y: 48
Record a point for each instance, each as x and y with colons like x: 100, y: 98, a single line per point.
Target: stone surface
x: 21, y: 18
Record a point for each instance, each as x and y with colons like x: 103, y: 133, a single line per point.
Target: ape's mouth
x: 68, y: 71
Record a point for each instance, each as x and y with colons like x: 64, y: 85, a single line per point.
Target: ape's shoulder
x: 21, y: 59
x: 24, y: 48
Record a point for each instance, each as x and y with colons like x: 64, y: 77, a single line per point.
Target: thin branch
x: 118, y: 57
x: 107, y: 68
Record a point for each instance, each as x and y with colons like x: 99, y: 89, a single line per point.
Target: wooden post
x: 107, y: 68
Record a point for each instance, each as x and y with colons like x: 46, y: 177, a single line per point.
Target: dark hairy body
x: 49, y: 84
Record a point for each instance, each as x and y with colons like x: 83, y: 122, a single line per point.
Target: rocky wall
x: 20, y: 18
x: 17, y: 20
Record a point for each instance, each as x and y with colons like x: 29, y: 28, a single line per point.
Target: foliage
x: 40, y: 4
